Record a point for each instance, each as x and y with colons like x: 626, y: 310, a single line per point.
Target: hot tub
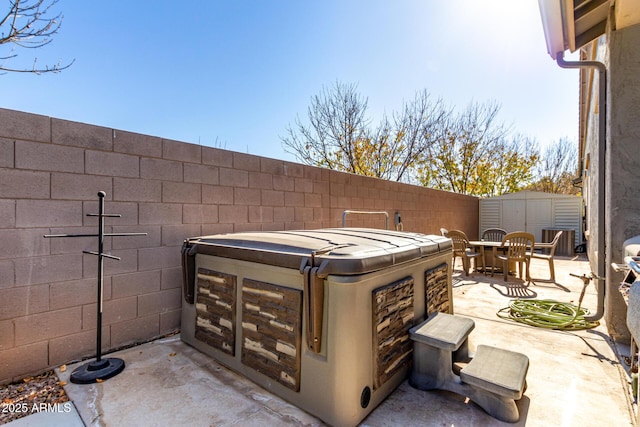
x: 318, y: 317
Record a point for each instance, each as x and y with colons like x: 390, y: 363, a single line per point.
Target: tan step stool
x: 494, y: 378
x: 499, y: 379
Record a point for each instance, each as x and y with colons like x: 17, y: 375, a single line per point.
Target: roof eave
x: 552, y: 24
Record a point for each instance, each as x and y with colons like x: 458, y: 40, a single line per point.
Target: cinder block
x: 321, y: 187
x: 294, y: 225
x: 174, y: 235
x: 303, y: 185
x: 339, y: 177
x: 47, y: 269
x: 48, y: 157
x: 7, y: 274
x: 26, y: 242
x: 337, y: 189
x: 322, y: 214
x: 160, y: 213
x: 126, y: 285
x: 128, y: 213
x: 19, y: 184
x: 136, y: 143
x: 293, y: 199
x: 159, y: 302
x: 19, y: 362
x: 16, y: 124
x: 113, y: 311
x: 43, y: 326
x: 138, y: 190
x: 295, y: 170
x: 74, y: 293
x: 312, y: 200
x: 201, y: 174
x: 6, y: 335
x: 180, y: 192
x: 77, y: 346
x: 246, y: 162
x: 246, y: 196
x: 14, y: 302
x: 170, y: 321
x: 181, y: 151
x: 199, y: 214
x: 234, y: 177
x: 83, y: 135
x: 159, y: 258
x: 284, y: 183
x: 6, y: 153
x: 166, y: 170
x: 70, y: 186
x: 7, y: 213
x: 136, y: 330
x: 171, y: 278
x: 313, y: 173
x: 272, y: 198
x: 273, y: 226
x: 303, y: 214
x: 241, y: 228
x: 217, y: 195
x: 260, y: 214
x: 152, y: 239
x: 48, y: 213
x: 217, y: 157
x: 210, y: 229
x: 233, y: 214
x: 112, y: 164
x: 128, y: 263
x: 260, y: 180
x: 283, y: 214
x: 271, y: 166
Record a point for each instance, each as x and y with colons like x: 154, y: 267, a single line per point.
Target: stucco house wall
x: 619, y: 50
x: 623, y: 159
x: 50, y: 173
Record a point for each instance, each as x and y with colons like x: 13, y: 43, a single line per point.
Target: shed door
x: 513, y: 215
x: 538, y: 217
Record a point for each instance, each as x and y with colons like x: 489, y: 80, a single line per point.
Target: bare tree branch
x: 27, y: 25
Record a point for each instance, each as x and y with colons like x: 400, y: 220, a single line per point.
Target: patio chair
x: 444, y: 232
x: 549, y: 257
x: 461, y: 249
x: 517, y: 247
x: 493, y: 234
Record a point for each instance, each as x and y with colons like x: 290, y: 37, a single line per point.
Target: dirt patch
x: 40, y: 393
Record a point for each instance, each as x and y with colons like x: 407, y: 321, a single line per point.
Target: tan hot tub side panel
x: 364, y: 352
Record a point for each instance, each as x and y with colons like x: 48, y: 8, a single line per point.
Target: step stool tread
x: 442, y: 330
x: 496, y: 370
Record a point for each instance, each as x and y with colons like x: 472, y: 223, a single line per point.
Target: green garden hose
x: 548, y: 313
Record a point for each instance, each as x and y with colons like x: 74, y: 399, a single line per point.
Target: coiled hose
x: 550, y: 314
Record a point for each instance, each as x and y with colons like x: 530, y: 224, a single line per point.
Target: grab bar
x: 386, y: 221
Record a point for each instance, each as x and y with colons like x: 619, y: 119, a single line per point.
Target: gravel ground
x: 40, y: 393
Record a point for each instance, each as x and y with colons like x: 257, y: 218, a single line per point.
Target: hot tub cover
x: 341, y: 251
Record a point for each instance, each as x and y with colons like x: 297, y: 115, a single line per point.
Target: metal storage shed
x: 536, y: 212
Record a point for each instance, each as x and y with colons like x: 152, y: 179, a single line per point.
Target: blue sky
x: 238, y: 72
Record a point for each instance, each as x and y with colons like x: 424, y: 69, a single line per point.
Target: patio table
x: 488, y: 246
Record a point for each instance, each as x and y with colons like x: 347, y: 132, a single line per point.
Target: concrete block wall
x: 50, y: 173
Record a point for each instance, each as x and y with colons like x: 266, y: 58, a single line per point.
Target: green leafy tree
x: 27, y: 24
x: 478, y: 155
x: 339, y: 135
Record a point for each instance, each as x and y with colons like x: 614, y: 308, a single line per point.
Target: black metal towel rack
x: 99, y: 369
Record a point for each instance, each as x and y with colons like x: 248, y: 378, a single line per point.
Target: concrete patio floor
x: 575, y: 378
